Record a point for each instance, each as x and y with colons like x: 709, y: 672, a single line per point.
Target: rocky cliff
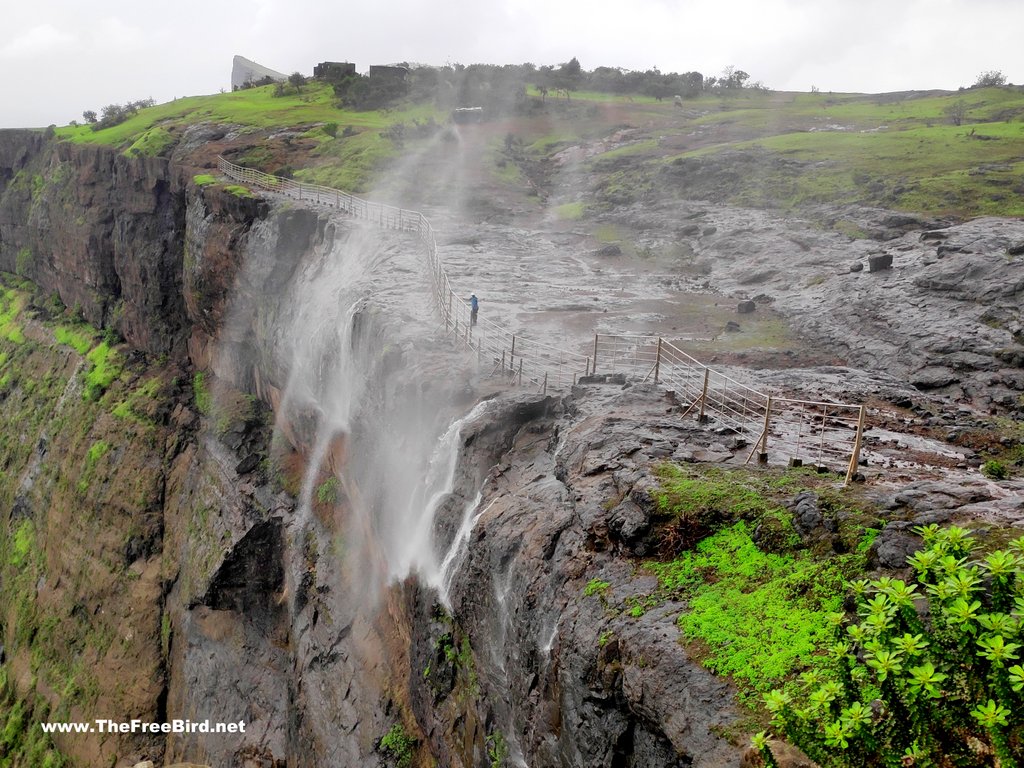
x: 224, y: 497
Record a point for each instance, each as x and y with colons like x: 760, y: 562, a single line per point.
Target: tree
x: 733, y: 78
x: 297, y: 80
x: 567, y: 77
x: 989, y: 78
x: 89, y: 115
x: 956, y: 111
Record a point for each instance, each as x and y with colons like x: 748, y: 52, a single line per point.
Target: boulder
x: 893, y: 546
x: 879, y: 261
x: 609, y: 251
x: 746, y: 307
x: 857, y: 266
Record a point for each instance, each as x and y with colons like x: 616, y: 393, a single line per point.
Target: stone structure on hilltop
x: 333, y: 70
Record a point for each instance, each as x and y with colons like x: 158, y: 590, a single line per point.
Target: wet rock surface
x: 568, y: 679
x: 262, y: 621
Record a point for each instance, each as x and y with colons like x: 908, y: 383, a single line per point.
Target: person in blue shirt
x: 474, y: 306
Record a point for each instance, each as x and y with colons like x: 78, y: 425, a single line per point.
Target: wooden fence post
x: 704, y: 396
x: 855, y: 456
x: 763, y: 454
x: 657, y: 362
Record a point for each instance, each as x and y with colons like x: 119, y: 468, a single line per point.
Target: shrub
x: 399, y: 745
x: 327, y: 493
x: 202, y: 393
x: 904, y: 686
x: 995, y: 469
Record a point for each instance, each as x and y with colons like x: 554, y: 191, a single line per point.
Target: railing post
x: 594, y: 371
x: 657, y: 362
x: 855, y: 456
x: 544, y: 391
x: 762, y: 457
x: 513, y: 352
x: 503, y: 361
x: 520, y: 371
x: 704, y: 396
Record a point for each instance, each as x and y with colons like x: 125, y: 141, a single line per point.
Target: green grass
x: 204, y: 179
x: 238, y: 190
x: 569, y: 211
x: 328, y: 491
x: 153, y: 143
x: 96, y: 452
x: 903, y: 154
x: 104, y: 369
x: 350, y: 163
x: 22, y: 544
x: 548, y: 143
x: 203, y: 398
x: 12, y: 302
x: 634, y: 148
x: 758, y: 617
x: 23, y: 262
x: 75, y: 338
x: 753, y: 611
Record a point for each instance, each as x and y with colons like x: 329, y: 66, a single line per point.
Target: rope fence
x: 820, y: 434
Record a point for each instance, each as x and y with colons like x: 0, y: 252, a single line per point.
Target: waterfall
x: 391, y: 438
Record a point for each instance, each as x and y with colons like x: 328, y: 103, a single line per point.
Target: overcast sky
x: 60, y: 57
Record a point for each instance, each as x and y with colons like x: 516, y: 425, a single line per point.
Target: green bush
x: 399, y: 745
x: 327, y: 493
x: 907, y: 686
x: 995, y: 469
x: 202, y: 393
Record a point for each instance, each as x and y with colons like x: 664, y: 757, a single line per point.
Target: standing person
x: 474, y: 306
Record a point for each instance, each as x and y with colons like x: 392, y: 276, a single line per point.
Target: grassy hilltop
x: 958, y: 154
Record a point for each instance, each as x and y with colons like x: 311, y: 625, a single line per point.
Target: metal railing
x: 821, y: 434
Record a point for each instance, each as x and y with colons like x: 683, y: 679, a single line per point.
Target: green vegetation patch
x: 398, y: 745
x: 23, y: 262
x: 238, y: 190
x: 202, y: 393
x: 757, y: 616
x: 569, y: 211
x: 97, y: 451
x: 79, y: 338
x: 328, y: 491
x: 153, y: 143
x: 754, y: 611
x: 23, y: 743
x: 22, y: 544
x: 12, y: 302
x: 349, y: 163
x: 204, y: 179
x: 104, y: 369
x: 926, y: 672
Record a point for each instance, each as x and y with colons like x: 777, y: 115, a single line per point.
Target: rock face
x: 233, y: 601
x: 948, y: 321
x: 101, y: 230
x: 567, y: 679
